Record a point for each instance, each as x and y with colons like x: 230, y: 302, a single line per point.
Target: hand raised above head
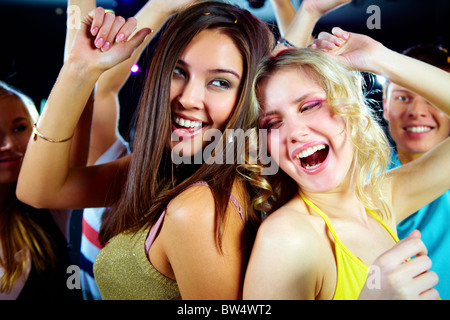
x: 354, y: 50
x: 104, y: 39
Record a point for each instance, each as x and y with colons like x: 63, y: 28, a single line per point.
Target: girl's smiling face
x: 306, y: 139
x: 204, y: 90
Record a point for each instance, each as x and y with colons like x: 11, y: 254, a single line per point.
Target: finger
x: 402, y: 251
x: 116, y: 26
x: 340, y: 33
x: 414, y: 234
x: 108, y: 20
x: 127, y: 29
x: 331, y: 38
x: 424, y: 284
x: 139, y: 37
x: 414, y: 267
x: 97, y: 19
x: 323, y: 45
x: 431, y: 294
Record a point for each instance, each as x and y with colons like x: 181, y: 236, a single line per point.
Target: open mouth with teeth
x: 187, y: 124
x: 418, y: 129
x: 312, y: 157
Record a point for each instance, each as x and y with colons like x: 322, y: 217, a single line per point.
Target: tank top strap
x: 322, y: 215
x: 155, y: 229
x: 330, y: 227
x: 391, y: 232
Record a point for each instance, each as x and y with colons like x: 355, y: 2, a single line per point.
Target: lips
x: 187, y: 127
x: 311, y: 157
x: 10, y: 160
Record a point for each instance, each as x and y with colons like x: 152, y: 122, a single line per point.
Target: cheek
x: 174, y: 91
x: 273, y: 145
x: 221, y: 112
x: 23, y: 141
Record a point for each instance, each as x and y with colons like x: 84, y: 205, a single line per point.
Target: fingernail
x: 99, y: 42
x: 120, y: 37
x: 106, y: 46
x: 94, y: 31
x: 340, y: 41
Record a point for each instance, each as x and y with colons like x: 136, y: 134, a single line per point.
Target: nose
x: 7, y: 142
x: 191, y: 95
x: 297, y: 130
x: 418, y: 109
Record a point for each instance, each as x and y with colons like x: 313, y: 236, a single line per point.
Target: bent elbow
x: 30, y: 198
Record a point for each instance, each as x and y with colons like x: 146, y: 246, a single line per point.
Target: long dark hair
x: 152, y: 180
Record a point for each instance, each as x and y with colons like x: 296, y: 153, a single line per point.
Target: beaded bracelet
x: 40, y: 135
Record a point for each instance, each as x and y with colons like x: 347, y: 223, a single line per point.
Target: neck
x: 341, y: 199
x: 405, y: 156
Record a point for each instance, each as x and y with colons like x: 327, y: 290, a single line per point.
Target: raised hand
x: 393, y: 277
x: 104, y: 41
x: 354, y: 50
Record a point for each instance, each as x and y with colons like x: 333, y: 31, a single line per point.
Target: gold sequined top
x: 122, y: 271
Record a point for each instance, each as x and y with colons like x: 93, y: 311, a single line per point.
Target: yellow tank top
x: 351, y: 271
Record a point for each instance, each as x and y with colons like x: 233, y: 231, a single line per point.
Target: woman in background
x: 33, y: 247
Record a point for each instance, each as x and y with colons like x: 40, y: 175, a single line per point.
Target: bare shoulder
x: 286, y: 261
x: 192, y: 204
x: 289, y: 227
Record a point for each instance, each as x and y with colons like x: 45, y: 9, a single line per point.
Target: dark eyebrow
x: 20, y: 119
x: 219, y: 70
x: 234, y: 73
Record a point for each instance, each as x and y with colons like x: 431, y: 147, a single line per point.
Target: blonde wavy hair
x: 345, y: 95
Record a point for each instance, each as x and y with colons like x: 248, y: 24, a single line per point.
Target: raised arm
x: 410, y: 186
x: 284, y: 13
x: 79, y: 151
x: 45, y: 179
x: 297, y: 27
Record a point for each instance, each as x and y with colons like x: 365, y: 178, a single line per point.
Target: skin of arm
x: 79, y: 151
x: 54, y: 177
x: 284, y: 13
x: 49, y: 185
x: 301, y: 24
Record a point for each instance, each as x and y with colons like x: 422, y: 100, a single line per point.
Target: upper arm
x: 84, y: 187
x: 419, y: 182
x: 189, y: 241
x: 284, y: 262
